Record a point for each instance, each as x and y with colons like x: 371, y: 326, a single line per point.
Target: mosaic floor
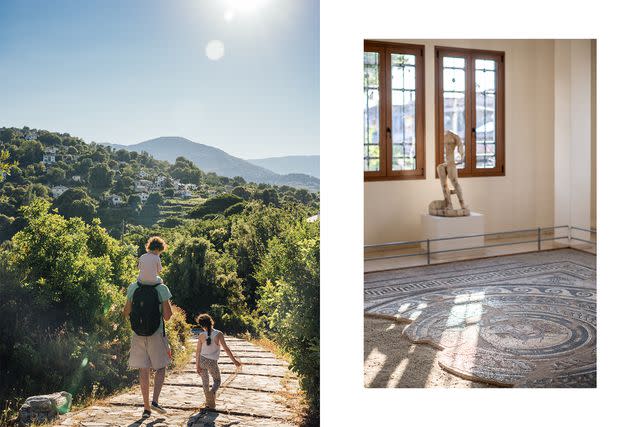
x: 524, y: 320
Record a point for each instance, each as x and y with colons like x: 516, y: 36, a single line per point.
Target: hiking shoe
x: 158, y: 408
x: 146, y: 413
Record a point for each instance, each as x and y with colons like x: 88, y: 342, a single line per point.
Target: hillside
x: 212, y: 159
x: 119, y: 186
x: 308, y: 165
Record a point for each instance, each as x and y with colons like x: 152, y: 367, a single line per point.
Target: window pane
x: 403, y: 111
x: 449, y: 62
x: 485, y: 77
x: 371, y: 112
x: 397, y: 59
x: 454, y: 101
x: 453, y: 80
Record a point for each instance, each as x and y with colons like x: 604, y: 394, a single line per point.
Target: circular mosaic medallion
x: 510, y: 335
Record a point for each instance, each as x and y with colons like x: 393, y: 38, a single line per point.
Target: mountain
x: 309, y: 165
x: 212, y: 159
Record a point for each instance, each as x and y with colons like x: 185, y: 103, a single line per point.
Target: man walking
x: 147, y: 308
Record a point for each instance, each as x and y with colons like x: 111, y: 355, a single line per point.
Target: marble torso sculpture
x: 448, y: 170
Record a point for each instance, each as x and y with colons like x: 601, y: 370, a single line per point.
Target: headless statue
x: 448, y: 170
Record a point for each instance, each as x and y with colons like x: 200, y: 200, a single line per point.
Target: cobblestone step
x: 240, y: 402
x: 264, y: 383
x: 226, y: 368
x: 121, y: 416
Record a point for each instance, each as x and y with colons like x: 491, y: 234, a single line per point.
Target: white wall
x: 574, y: 133
x: 524, y: 197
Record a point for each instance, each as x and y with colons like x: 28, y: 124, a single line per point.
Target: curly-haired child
x: 149, y: 264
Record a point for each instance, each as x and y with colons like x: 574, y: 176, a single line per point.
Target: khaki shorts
x: 149, y: 352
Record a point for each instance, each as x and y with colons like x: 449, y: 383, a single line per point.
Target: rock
x: 43, y: 409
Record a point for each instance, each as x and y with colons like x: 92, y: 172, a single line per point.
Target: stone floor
x: 257, y: 396
x: 523, y: 320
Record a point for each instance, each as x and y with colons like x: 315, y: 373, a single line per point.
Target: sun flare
x: 215, y: 50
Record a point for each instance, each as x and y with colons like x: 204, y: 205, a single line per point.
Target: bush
x: 289, y: 301
x: 179, y: 334
x: 199, y: 276
x: 236, y: 209
x: 215, y: 205
x: 232, y: 322
x: 61, y: 299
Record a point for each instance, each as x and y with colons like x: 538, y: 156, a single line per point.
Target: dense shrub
x: 61, y: 297
x: 178, y: 332
x: 199, y: 276
x: 236, y: 209
x: 215, y: 205
x: 290, y: 301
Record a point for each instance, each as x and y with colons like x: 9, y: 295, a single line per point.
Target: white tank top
x: 211, y: 351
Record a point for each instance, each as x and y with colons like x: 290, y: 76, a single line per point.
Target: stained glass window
x: 393, y: 95
x: 371, y: 111
x: 471, y: 85
x: 485, y: 78
x: 403, y: 112
x: 454, y: 92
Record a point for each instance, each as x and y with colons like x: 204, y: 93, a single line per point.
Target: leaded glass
x: 454, y: 84
x: 403, y: 111
x: 485, y: 91
x: 371, y: 112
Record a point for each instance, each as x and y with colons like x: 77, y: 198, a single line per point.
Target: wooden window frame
x: 470, y: 56
x: 385, y: 49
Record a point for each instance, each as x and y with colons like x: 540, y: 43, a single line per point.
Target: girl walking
x: 207, y: 354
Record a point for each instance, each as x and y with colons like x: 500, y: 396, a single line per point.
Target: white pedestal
x: 435, y: 227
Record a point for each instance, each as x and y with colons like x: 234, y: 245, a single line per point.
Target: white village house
x: 185, y: 194
x: 115, y: 200
x: 49, y: 156
x: 58, y: 190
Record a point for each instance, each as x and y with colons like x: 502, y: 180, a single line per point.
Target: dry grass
x: 269, y: 345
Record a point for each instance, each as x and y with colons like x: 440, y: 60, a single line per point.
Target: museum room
x: 479, y: 213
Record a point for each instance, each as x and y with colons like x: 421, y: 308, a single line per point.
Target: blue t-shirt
x: 163, y: 292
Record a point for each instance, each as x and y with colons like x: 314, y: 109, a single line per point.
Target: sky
x: 240, y: 75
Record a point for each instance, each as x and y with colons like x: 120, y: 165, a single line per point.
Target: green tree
x: 75, y: 202
x: 155, y: 199
x: 101, y: 177
x: 7, y: 135
x: 269, y: 196
x: 30, y: 152
x: 199, y: 277
x: 186, y: 171
x: 84, y: 166
x: 134, y: 201
x: 5, y: 166
x: 123, y: 185
x: 50, y: 139
x: 54, y: 175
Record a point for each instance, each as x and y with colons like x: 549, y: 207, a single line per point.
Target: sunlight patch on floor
x: 464, y: 328
x: 375, y: 358
x: 396, y: 375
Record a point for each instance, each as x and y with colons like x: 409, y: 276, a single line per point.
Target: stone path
x: 257, y: 396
